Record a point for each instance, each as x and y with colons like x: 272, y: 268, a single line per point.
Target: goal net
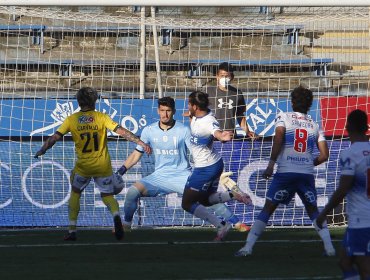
x: 133, y: 56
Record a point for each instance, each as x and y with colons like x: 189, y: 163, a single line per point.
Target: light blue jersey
x: 355, y: 161
x: 170, y: 149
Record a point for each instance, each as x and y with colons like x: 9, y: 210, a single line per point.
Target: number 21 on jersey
x: 300, y: 140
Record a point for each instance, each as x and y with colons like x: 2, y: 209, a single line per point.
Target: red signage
x: 334, y: 111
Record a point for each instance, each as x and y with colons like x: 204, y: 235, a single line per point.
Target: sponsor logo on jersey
x: 170, y: 152
x: 345, y: 162
x: 298, y: 159
x: 85, y: 119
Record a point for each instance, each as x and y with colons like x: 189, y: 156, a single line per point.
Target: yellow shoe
x: 242, y: 227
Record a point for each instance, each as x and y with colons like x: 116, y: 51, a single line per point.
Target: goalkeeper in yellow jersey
x: 89, y: 132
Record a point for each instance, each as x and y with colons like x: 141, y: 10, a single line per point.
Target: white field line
x: 76, y: 244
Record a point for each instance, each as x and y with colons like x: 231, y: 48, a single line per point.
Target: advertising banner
x: 35, y: 192
x: 334, y: 111
x: 41, y: 117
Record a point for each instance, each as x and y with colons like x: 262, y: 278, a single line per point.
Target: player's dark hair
x: 86, y: 97
x: 357, y: 121
x: 167, y: 101
x: 225, y: 66
x: 301, y: 98
x: 199, y: 99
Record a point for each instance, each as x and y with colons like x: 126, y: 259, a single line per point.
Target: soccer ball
x: 118, y: 183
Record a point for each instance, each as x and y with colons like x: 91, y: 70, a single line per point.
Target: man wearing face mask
x: 227, y: 103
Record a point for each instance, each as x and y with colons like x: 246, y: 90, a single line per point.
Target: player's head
x: 357, y: 122
x: 225, y: 74
x: 301, y: 99
x: 166, y: 110
x: 198, y: 100
x: 166, y: 101
x: 86, y: 97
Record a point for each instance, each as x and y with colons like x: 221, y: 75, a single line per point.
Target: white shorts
x: 104, y: 184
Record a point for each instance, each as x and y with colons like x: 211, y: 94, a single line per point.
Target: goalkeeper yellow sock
x: 112, y: 204
x: 74, y: 209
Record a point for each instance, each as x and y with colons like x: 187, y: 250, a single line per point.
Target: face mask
x: 224, y: 81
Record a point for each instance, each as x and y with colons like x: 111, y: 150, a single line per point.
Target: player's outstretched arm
x: 133, y: 138
x: 131, y: 160
x: 223, y: 135
x: 48, y: 144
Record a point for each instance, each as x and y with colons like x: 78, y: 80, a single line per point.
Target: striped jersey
x: 202, y: 131
x: 301, y: 136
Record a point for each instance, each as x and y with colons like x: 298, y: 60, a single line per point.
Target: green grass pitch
x: 173, y: 253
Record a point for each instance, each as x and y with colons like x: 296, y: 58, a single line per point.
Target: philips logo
x: 298, y: 159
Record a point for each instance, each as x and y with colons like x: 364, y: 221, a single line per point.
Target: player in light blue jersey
x: 354, y: 183
x: 296, y: 134
x: 201, y: 186
x: 169, y: 140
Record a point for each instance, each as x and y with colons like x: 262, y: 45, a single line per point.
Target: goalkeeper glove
x: 231, y: 185
x: 227, y: 181
x: 122, y: 170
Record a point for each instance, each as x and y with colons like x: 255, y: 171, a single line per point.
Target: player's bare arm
x: 128, y: 135
x: 132, y: 159
x: 345, y: 184
x: 224, y: 135
x: 48, y: 144
x: 277, y: 144
x: 244, y: 126
x: 324, y: 153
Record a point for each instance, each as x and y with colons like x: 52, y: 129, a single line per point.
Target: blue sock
x: 314, y: 215
x: 130, y: 206
x: 351, y: 274
x: 263, y: 216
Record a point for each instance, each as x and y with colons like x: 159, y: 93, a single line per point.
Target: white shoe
x: 222, y: 231
x: 243, y: 252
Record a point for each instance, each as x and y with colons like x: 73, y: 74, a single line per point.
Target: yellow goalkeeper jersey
x: 89, y: 132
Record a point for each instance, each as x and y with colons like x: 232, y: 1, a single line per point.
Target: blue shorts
x: 205, y: 179
x: 285, y: 185
x: 356, y: 242
x: 158, y: 183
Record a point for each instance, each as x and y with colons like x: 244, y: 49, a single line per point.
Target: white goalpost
x: 134, y: 55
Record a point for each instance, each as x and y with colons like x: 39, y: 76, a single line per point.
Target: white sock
x: 219, y: 197
x: 255, y: 232
x: 202, y: 213
x: 325, y: 236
